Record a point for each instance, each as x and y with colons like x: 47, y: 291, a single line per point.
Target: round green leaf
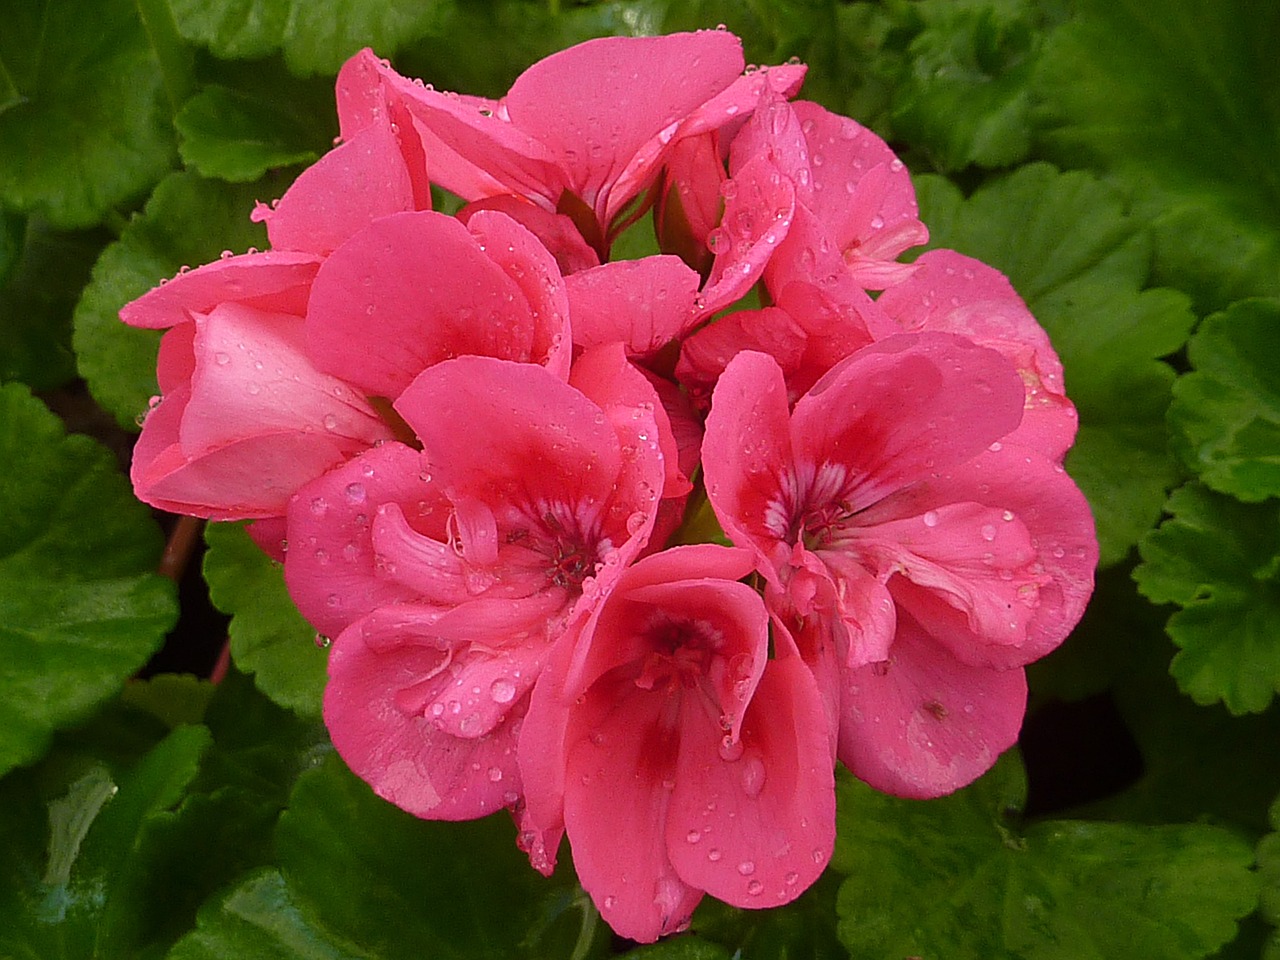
x: 1219, y: 559
x: 88, y: 128
x: 235, y: 136
x: 269, y: 637
x: 1179, y: 98
x: 956, y: 878
x: 80, y: 609
x: 427, y: 889
x: 1226, y: 414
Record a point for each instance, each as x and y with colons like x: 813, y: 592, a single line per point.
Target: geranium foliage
x: 440, y: 388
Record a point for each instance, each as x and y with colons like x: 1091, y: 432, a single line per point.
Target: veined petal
x: 902, y: 409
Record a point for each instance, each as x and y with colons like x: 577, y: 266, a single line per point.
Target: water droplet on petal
x: 502, y: 690
x: 747, y: 867
x: 495, y: 774
x: 693, y: 836
x: 753, y: 777
x: 355, y: 492
x: 754, y: 888
x: 931, y: 518
x: 322, y: 641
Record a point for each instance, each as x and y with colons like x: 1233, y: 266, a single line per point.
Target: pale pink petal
x: 279, y: 282
x: 253, y: 377
x: 345, y: 190
x: 554, y: 231
x: 924, y: 724
x: 176, y: 361
x: 380, y: 713
x: 331, y: 568
x: 414, y: 289
x: 644, y: 304
x: 901, y: 409
x: 248, y: 478
x: 756, y: 830
x: 639, y: 88
x: 953, y: 293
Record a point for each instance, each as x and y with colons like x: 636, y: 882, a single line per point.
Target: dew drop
x: 988, y: 532
x: 221, y: 359
x: 754, y: 888
x: 714, y: 855
x: 330, y: 422
x: 322, y: 641
x: 693, y: 836
x: 355, y: 492
x: 753, y: 777
x: 931, y: 518
x: 730, y: 748
x: 502, y: 690
x: 495, y: 774
x: 747, y: 867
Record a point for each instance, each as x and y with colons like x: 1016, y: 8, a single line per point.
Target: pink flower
x: 585, y: 131
x: 258, y: 399
x: 448, y: 574
x: 715, y: 760
x: 892, y: 506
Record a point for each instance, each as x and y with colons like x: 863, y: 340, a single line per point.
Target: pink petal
x: 252, y: 377
x: 953, y: 293
x: 279, y: 282
x: 383, y: 724
x: 176, y: 362
x: 643, y: 303
x: 903, y: 408
x: 757, y: 214
x: 773, y: 132
x: 554, y: 231
x: 248, y: 478
x: 541, y: 436
x: 618, y: 749
x: 925, y: 724
x: 345, y: 190
x: 331, y: 568
x: 414, y: 289
x: 690, y: 204
x: 639, y: 87
x: 747, y: 449
x: 1044, y: 501
x: 729, y: 108
x: 529, y: 264
x: 756, y: 831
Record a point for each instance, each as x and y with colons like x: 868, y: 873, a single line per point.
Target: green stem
x: 587, y: 932
x: 176, y: 65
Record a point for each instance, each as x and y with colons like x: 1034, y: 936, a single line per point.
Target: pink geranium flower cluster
x: 479, y: 437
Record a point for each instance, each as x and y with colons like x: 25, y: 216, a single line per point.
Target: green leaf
x: 46, y: 270
x: 187, y: 221
x: 455, y: 890
x: 1269, y: 874
x: 1219, y: 559
x: 72, y: 832
x: 80, y: 609
x: 1080, y: 262
x: 803, y: 928
x: 315, y: 35
x: 1226, y: 415
x: 269, y: 638
x: 235, y: 136
x: 90, y: 131
x: 1178, y: 97
x: 681, y: 948
x: 956, y: 877
x: 257, y: 920
x: 963, y: 93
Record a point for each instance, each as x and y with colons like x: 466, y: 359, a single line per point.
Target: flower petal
x: 757, y: 830
x: 645, y: 303
x: 925, y: 724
